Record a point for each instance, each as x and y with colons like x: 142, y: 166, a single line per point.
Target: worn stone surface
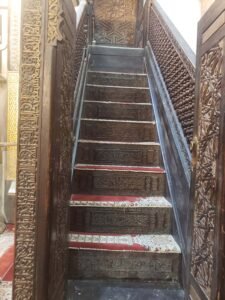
x: 97, y: 264
x: 117, y: 79
x: 105, y: 130
x: 117, y: 94
x: 117, y: 111
x: 118, y: 290
x: 121, y: 220
x: 101, y: 182
x: 119, y: 154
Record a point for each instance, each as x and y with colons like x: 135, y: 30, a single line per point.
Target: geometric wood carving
x: 207, y: 260
x: 205, y: 201
x: 178, y: 72
x: 115, y: 22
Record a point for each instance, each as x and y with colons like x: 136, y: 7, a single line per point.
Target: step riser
x: 117, y: 94
x: 115, y: 154
x: 152, y: 220
x: 117, y: 131
x: 117, y: 111
x: 88, y: 264
x: 117, y: 79
x: 126, y: 183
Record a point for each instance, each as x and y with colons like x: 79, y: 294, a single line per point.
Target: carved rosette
x: 203, y: 255
x: 28, y: 141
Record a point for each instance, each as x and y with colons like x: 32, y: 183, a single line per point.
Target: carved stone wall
x: 115, y: 22
x: 177, y: 70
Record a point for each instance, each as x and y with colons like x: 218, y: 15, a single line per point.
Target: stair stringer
x: 176, y: 156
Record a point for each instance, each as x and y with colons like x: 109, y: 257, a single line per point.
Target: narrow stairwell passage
x: 120, y: 219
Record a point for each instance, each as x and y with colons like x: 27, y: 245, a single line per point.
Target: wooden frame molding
x: 48, y: 76
x: 28, y: 145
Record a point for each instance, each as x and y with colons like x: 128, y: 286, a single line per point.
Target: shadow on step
x: 114, y: 290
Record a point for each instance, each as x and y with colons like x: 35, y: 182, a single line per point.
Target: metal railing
x: 79, y: 95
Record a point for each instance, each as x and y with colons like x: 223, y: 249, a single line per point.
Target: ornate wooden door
x: 115, y: 22
x: 207, y: 252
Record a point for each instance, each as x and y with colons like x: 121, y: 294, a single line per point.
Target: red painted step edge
x: 80, y: 197
x: 121, y: 168
x: 99, y: 246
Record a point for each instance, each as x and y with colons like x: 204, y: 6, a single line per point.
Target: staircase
x: 120, y: 218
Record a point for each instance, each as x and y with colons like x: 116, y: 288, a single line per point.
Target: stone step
x: 122, y: 131
x: 117, y: 94
x: 117, y: 111
x: 105, y: 256
x: 117, y: 79
x: 118, y: 180
x: 119, y: 153
x: 120, y: 214
x: 124, y: 290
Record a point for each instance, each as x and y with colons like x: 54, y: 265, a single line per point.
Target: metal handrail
x: 79, y: 99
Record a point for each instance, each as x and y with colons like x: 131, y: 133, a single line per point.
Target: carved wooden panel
x: 121, y: 220
x: 28, y: 140
x: 44, y: 154
x: 206, y: 169
x: 115, y: 22
x: 208, y: 159
x: 119, y: 154
x: 117, y: 131
x: 121, y: 265
x: 117, y: 79
x: 119, y: 183
x: 177, y: 70
x: 61, y: 151
x: 117, y: 94
x: 117, y: 111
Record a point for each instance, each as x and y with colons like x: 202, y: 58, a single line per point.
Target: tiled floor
x: 6, y: 263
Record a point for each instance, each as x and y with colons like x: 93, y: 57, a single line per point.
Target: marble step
x: 118, y: 180
x: 122, y: 131
x: 119, y: 153
x: 117, y: 94
x: 120, y: 214
x: 117, y: 79
x: 105, y: 256
x: 117, y: 111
